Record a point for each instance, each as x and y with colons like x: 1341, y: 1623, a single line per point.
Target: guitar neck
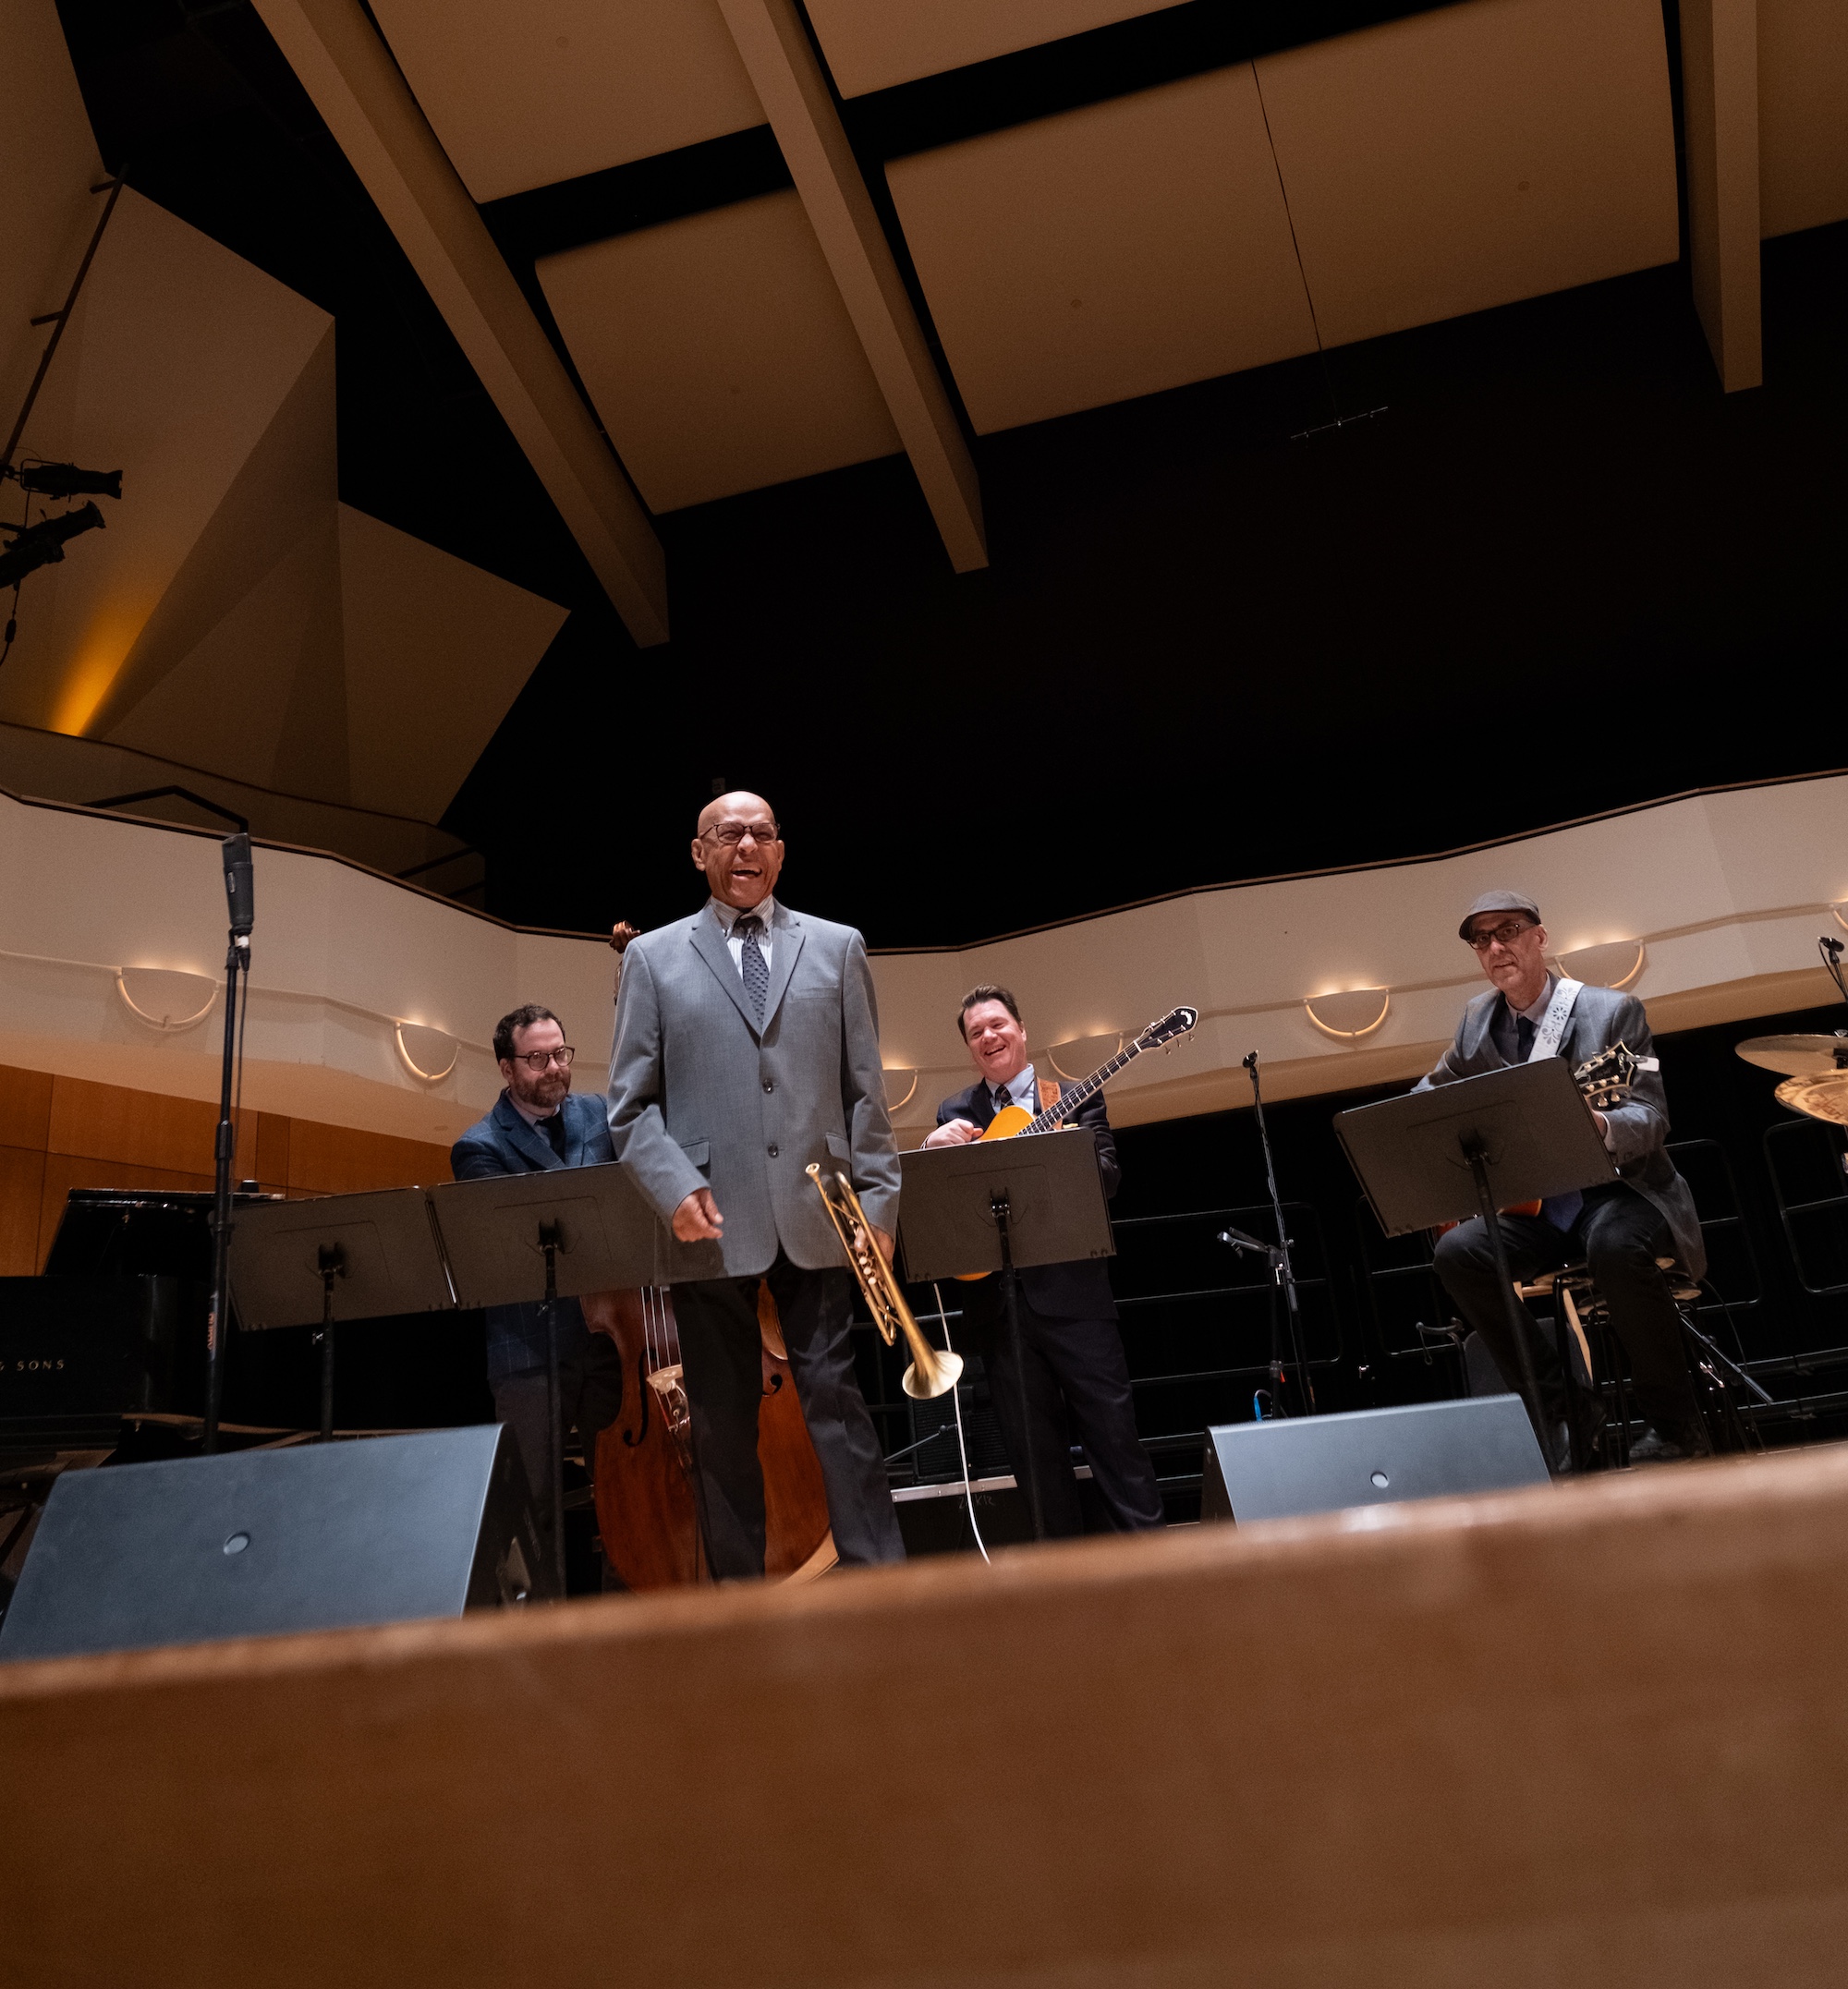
x: 1053, y: 1116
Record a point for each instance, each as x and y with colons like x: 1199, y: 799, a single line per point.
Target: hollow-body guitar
x: 1015, y: 1121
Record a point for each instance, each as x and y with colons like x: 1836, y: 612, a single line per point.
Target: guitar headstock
x: 1606, y: 1078
x: 1171, y: 1028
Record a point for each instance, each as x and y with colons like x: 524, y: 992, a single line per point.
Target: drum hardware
x: 1814, y: 1068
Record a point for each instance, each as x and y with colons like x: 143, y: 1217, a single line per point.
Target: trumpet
x: 931, y: 1372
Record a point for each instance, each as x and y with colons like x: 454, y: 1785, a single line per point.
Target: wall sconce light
x: 1612, y: 966
x: 1840, y: 912
x: 428, y: 1053
x: 1079, y: 1057
x: 899, y: 1086
x: 1347, y: 1017
x: 164, y: 998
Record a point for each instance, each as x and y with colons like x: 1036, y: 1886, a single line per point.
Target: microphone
x: 239, y: 885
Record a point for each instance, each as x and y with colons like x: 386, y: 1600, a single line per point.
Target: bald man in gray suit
x: 747, y: 1046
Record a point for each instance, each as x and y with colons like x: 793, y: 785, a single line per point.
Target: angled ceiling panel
x: 435, y: 652
x: 1474, y: 156
x: 525, y: 96
x: 47, y: 165
x: 176, y: 364
x: 225, y: 705
x: 1803, y: 114
x: 1107, y: 253
x: 718, y: 353
x: 870, y: 44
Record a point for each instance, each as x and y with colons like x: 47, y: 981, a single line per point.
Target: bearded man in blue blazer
x: 538, y: 1123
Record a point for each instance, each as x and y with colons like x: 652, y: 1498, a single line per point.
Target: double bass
x: 647, y: 1506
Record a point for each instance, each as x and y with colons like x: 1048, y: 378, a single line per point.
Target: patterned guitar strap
x: 1551, y: 1031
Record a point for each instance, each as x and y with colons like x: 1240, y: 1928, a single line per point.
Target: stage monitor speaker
x: 1374, y: 1457
x: 257, y: 1543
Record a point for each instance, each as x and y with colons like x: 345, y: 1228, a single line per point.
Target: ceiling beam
x: 788, y: 75
x: 1719, y: 89
x: 357, y: 87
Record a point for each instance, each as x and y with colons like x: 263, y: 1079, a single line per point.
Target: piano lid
x: 137, y: 1233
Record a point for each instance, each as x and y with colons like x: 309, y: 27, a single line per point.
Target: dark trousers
x: 722, y: 1352
x: 1073, y: 1366
x: 590, y: 1399
x: 1619, y: 1235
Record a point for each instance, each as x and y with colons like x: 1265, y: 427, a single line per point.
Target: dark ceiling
x: 1560, y: 571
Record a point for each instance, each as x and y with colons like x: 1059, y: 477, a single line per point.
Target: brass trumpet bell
x: 931, y: 1372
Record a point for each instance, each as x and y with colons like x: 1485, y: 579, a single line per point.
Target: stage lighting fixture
x: 65, y: 480
x: 42, y: 544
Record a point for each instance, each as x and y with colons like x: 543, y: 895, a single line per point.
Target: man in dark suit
x: 1619, y: 1229
x: 1071, y: 1352
x: 537, y: 1124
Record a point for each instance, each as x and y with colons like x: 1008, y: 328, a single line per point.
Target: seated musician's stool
x: 1582, y: 1313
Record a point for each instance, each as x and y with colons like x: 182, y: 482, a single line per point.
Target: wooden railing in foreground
x: 1590, y: 1733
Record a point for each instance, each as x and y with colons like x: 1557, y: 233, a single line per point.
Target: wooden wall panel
x: 273, y: 1148
x: 59, y: 1132
x: 140, y: 1128
x: 25, y: 1109
x: 339, y: 1161
x: 22, y: 1180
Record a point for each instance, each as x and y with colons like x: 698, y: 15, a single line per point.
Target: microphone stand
x: 1281, y: 1270
x: 240, y: 895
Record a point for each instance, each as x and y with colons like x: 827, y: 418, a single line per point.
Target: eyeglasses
x: 732, y: 834
x: 1506, y: 934
x: 536, y: 1060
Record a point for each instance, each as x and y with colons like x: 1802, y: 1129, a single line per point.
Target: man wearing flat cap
x: 1618, y: 1228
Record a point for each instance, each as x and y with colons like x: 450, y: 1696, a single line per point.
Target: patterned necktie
x: 1001, y: 1100
x: 756, y: 967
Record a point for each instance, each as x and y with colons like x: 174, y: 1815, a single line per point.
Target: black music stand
x: 1473, y: 1148
x: 515, y: 1239
x: 337, y: 1256
x: 1004, y: 1206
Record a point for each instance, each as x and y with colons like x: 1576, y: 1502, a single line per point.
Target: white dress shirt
x: 729, y: 914
x: 1018, y: 1090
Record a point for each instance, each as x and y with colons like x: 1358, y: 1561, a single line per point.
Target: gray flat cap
x: 1499, y: 901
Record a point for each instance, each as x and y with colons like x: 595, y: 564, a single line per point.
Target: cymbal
x: 1821, y: 1097
x: 1797, y: 1056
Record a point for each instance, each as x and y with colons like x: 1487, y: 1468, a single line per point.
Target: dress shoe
x: 1671, y: 1444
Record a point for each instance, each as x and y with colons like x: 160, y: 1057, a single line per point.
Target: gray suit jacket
x: 700, y: 1096
x: 1639, y: 1130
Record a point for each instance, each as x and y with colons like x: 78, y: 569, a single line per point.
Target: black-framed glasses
x: 536, y: 1060
x: 732, y: 834
x: 1507, y: 934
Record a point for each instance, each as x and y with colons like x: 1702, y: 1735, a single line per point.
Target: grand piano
x: 102, y: 1356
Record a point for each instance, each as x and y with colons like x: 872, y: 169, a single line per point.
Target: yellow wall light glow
x: 94, y: 667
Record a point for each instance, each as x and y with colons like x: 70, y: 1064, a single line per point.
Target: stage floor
x: 1593, y: 1731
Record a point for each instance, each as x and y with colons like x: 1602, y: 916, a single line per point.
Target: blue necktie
x: 756, y: 967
